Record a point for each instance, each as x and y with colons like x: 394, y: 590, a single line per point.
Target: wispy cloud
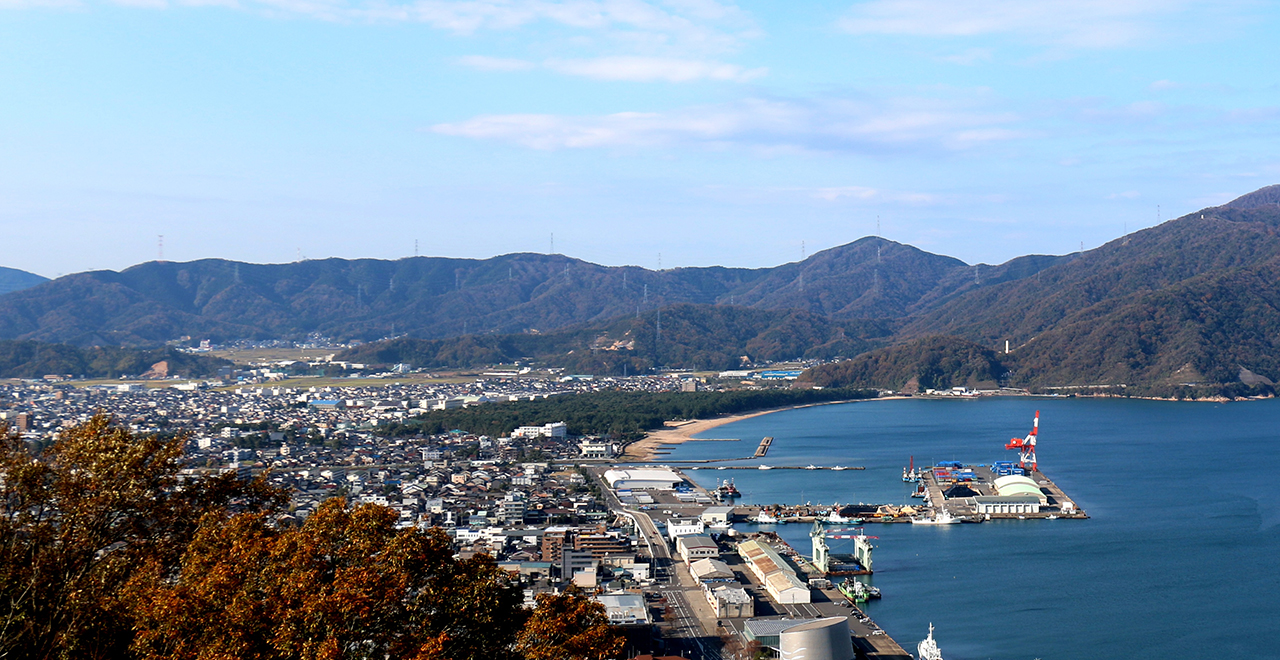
x: 485, y: 63
x: 626, y: 68
x: 772, y: 124
x: 654, y: 68
x: 1082, y: 23
x: 701, y: 25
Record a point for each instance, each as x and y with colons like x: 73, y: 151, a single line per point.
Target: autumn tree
x: 346, y: 584
x: 78, y: 519
x: 569, y: 626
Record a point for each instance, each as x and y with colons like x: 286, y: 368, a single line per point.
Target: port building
x: 643, y: 479
x: 984, y: 504
x: 1016, y: 484
x: 777, y: 576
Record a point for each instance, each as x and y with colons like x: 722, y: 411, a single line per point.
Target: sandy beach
x: 643, y: 449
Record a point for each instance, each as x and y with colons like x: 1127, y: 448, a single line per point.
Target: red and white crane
x: 1026, y: 446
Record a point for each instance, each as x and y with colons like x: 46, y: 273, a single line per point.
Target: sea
x: 1180, y: 557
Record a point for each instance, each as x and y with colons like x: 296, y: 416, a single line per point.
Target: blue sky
x: 705, y: 132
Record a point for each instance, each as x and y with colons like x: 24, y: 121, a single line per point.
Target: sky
x: 660, y: 133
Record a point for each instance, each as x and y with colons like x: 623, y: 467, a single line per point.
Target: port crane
x: 1026, y: 446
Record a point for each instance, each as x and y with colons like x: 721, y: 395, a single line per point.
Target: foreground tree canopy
x: 108, y: 554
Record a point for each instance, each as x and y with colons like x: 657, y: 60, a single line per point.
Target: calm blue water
x: 1178, y: 560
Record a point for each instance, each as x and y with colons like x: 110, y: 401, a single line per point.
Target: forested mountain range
x: 12, y: 279
x: 1193, y: 300
x: 431, y: 298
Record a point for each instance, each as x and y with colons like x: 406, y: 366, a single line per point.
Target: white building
x: 596, y: 448
x: 643, y: 479
x: 998, y: 504
x: 553, y: 430
x: 677, y: 527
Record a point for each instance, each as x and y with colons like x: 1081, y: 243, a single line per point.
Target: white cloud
x: 485, y: 63
x: 646, y: 69
x: 1086, y: 23
x: 827, y: 125
x: 871, y: 194
x: 624, y: 68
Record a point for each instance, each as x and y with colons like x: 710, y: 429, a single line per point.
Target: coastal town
x: 555, y: 510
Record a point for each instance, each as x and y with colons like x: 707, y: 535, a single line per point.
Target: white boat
x: 941, y: 517
x: 838, y: 468
x: 835, y: 518
x: 928, y: 649
x: 1051, y: 517
x: 765, y: 467
x: 811, y: 466
x: 766, y: 518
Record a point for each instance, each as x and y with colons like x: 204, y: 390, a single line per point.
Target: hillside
x: 29, y: 359
x: 431, y: 298
x: 692, y: 336
x: 1193, y: 300
x: 12, y: 279
x: 932, y: 363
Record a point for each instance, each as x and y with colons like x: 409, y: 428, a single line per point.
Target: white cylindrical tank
x: 824, y: 639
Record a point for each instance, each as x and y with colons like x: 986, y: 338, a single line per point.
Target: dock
x: 1056, y: 503
x: 763, y: 449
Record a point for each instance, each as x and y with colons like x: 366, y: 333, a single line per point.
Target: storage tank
x: 824, y: 639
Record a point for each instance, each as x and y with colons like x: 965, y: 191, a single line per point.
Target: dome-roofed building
x: 1016, y: 484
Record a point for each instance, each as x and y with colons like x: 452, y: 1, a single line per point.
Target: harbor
x: 827, y: 581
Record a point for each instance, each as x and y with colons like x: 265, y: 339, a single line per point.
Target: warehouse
x: 643, y: 479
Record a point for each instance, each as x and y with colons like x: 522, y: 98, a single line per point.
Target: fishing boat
x: 910, y: 474
x: 839, y: 468
x: 765, y: 467
x: 928, y: 649
x: 920, y: 491
x: 766, y: 518
x: 811, y: 466
x: 835, y: 518
x: 1051, y: 517
x: 940, y: 517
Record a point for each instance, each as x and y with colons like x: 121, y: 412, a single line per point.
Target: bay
x: 1178, y: 559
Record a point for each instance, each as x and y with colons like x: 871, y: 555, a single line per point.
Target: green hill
x: 691, y: 336
x: 30, y: 359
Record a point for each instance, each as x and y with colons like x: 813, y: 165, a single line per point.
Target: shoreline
x: 643, y: 450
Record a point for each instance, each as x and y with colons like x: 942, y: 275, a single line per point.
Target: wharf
x: 983, y: 482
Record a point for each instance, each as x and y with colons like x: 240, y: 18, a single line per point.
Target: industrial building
x: 803, y: 639
x: 986, y: 504
x: 1016, y: 484
x: 693, y: 547
x: 729, y: 600
x: 777, y: 576
x: 824, y: 639
x: 643, y: 479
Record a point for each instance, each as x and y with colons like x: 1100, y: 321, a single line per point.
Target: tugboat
x: 766, y: 518
x: 726, y: 489
x: 928, y: 649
